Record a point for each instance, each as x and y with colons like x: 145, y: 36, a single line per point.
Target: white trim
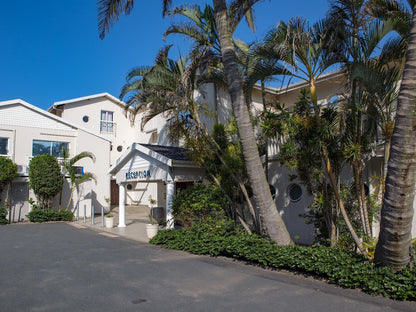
x: 137, y: 147
x: 88, y: 97
x: 301, y: 84
x: 49, y: 115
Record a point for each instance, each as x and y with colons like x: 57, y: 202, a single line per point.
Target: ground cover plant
x: 345, y: 269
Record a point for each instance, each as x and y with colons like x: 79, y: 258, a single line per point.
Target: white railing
x: 274, y: 144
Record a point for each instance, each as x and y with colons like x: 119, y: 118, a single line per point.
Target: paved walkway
x: 136, y: 220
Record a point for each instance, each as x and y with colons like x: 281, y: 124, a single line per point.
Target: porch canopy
x: 153, y: 163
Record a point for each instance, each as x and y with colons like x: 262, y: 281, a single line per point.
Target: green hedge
x: 3, y: 215
x: 40, y: 215
x: 339, y: 267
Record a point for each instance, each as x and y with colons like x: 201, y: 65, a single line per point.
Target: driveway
x: 57, y: 267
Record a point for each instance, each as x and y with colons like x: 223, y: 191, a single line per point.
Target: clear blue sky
x: 50, y: 50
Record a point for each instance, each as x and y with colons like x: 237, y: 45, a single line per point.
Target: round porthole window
x: 129, y: 186
x: 119, y: 148
x: 85, y: 119
x: 295, y: 192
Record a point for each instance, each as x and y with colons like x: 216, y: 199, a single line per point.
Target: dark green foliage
x: 3, y: 214
x: 45, y: 178
x: 8, y: 171
x: 198, y: 204
x: 346, y: 269
x: 40, y: 215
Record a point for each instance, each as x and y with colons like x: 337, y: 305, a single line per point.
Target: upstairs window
x: 4, y: 146
x: 48, y: 147
x: 106, y: 124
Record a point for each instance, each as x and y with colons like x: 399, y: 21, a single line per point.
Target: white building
x: 35, y: 132
x: 140, y: 163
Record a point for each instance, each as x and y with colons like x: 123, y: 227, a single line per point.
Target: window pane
x: 3, y: 146
x: 106, y: 124
x: 41, y: 148
x: 57, y: 148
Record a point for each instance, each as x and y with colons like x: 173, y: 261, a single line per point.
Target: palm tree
x: 273, y: 224
x: 397, y: 210
x: 76, y: 178
x: 274, y: 227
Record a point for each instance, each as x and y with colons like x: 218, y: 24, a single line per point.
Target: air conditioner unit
x: 78, y: 170
x: 23, y: 170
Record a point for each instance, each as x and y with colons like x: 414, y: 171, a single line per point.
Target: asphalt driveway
x: 57, y: 267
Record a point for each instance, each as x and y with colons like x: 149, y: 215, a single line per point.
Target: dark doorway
x: 114, y: 193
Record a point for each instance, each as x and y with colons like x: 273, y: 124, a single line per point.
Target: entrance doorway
x: 114, y: 193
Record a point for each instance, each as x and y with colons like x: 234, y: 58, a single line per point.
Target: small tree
x: 45, y: 178
x: 8, y: 171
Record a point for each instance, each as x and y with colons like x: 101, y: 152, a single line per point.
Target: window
x: 85, y: 118
x: 106, y: 124
x: 48, y: 147
x: 295, y: 192
x: 4, y: 146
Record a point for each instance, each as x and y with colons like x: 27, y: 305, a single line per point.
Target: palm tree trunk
x: 272, y: 222
x: 397, y: 210
x: 266, y: 140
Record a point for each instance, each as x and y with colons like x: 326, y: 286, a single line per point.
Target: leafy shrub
x: 45, y: 178
x: 40, y: 215
x: 3, y: 215
x: 200, y: 205
x: 346, y: 269
x: 8, y: 171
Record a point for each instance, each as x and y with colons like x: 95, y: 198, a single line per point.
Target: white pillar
x: 170, y: 190
x: 122, y: 205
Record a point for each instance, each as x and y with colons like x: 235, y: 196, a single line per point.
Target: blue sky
x: 50, y: 50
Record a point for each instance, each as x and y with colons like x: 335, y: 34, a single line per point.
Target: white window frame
x: 7, y: 147
x: 51, y: 146
x: 107, y: 121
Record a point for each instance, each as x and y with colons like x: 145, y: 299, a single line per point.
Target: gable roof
x: 49, y: 115
x: 171, y: 152
x: 88, y: 97
x: 168, y: 155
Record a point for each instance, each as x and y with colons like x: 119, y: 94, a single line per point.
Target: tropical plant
x: 45, y: 178
x: 76, y: 178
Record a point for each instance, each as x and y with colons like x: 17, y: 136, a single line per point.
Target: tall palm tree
x: 274, y: 227
x: 273, y: 224
x: 397, y: 210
